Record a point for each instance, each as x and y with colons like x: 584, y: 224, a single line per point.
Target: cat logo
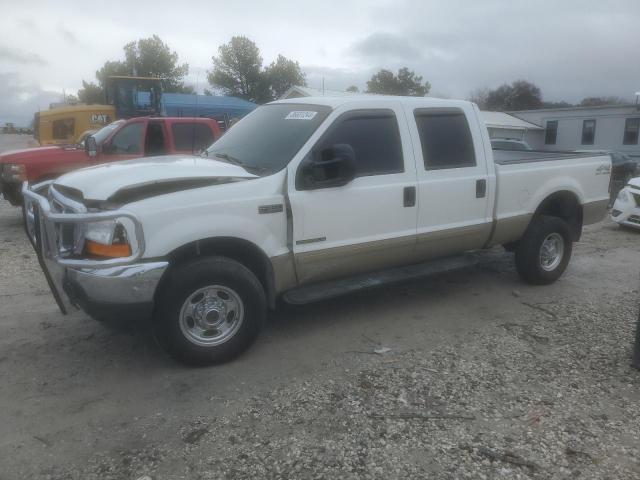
x: 604, y: 169
x: 100, y: 118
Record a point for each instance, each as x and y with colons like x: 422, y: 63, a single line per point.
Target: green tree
x: 283, y: 74
x: 237, y: 70
x: 600, y: 101
x: 406, y: 83
x: 147, y: 57
x: 151, y: 57
x: 479, y: 97
x: 109, y: 69
x: 520, y: 95
x: 90, y: 93
x: 352, y: 89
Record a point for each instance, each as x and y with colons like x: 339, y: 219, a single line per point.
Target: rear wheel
x: 544, y: 251
x: 210, y: 311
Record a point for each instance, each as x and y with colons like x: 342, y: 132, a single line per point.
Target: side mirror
x: 91, y: 146
x: 334, y: 166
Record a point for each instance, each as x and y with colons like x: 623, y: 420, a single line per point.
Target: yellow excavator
x: 126, y: 97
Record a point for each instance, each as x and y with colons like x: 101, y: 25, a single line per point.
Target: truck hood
x: 30, y: 155
x: 132, y: 180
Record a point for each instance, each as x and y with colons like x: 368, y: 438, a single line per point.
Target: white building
x: 585, y: 128
x: 503, y: 125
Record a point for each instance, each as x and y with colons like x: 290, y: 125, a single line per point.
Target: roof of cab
x: 372, y: 100
x: 79, y: 108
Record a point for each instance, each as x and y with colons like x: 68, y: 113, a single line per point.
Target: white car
x: 299, y: 196
x: 626, y: 208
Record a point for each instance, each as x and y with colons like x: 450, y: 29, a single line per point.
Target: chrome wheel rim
x: 211, y: 315
x: 551, y: 252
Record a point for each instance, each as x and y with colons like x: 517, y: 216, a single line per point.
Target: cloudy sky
x: 569, y: 48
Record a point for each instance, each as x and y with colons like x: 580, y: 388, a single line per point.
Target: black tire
x: 528, y: 258
x: 189, y: 278
x: 13, y: 195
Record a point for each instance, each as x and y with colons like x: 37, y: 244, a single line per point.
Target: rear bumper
x: 99, y: 287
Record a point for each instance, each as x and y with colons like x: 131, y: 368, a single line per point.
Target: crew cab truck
x: 120, y: 140
x: 299, y: 196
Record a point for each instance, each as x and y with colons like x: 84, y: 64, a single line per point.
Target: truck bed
x: 526, y: 178
x: 507, y: 157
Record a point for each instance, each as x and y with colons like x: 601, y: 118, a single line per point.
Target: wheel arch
x: 566, y: 205
x: 238, y: 249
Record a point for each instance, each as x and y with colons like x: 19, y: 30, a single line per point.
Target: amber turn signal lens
x: 117, y: 250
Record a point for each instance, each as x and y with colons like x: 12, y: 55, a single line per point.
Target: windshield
x: 266, y: 140
x: 104, y: 132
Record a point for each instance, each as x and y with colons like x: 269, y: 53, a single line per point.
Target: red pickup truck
x: 120, y: 140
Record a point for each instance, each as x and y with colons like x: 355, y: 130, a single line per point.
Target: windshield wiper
x: 228, y: 158
x: 235, y: 161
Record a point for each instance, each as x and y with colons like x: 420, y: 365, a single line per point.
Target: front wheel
x: 544, y: 251
x: 210, y: 311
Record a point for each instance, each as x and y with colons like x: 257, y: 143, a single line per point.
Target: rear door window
x: 191, y: 137
x: 445, y: 138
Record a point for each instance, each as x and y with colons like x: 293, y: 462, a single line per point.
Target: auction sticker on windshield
x: 300, y: 115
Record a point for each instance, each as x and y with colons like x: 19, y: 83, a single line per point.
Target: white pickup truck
x: 299, y: 194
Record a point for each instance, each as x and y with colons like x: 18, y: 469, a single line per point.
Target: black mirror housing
x: 333, y: 166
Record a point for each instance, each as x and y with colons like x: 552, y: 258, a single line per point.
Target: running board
x: 345, y: 286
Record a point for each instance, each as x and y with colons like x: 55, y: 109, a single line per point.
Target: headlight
x: 101, y: 232
x: 14, y: 172
x: 623, y: 196
x: 106, y: 239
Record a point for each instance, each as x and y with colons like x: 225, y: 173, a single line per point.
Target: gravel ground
x: 477, y: 375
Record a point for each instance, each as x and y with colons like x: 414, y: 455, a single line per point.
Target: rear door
x: 454, y: 213
x: 368, y: 223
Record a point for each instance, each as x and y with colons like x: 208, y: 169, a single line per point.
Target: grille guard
x: 41, y: 225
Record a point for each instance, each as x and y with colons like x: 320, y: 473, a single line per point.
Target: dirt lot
x: 486, y: 377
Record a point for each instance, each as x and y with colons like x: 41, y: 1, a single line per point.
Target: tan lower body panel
x: 594, y: 212
x: 510, y: 229
x: 284, y: 272
x: 331, y: 263
x: 451, y: 241
x: 341, y: 262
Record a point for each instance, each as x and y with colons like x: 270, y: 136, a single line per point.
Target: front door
x: 126, y: 143
x: 369, y: 223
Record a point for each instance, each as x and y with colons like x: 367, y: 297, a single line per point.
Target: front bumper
x: 626, y: 211
x: 99, y: 287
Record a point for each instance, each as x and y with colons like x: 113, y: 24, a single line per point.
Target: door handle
x: 409, y: 196
x: 481, y: 188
